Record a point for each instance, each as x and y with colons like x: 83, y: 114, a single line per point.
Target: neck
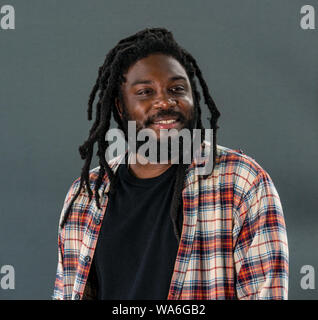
x: 143, y: 170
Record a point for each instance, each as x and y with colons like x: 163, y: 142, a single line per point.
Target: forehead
x: 155, y: 66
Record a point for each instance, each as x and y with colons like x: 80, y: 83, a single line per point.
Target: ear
x: 119, y: 107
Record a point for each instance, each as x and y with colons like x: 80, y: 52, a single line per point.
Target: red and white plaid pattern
x: 233, y: 243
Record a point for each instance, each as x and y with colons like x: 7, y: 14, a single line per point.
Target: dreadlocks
x: 108, y: 84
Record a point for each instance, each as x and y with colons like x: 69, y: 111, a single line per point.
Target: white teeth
x: 166, y: 121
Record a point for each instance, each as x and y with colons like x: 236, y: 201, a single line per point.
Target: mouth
x: 166, y: 123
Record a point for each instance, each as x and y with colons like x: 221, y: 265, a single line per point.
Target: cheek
x: 136, y: 112
x: 188, y: 105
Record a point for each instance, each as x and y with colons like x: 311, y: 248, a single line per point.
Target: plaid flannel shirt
x: 233, y: 243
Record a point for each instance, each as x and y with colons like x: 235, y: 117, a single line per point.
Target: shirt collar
x: 200, y: 158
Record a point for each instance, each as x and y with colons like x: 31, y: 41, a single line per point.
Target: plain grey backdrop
x: 260, y: 66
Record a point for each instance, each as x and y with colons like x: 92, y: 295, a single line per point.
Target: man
x: 162, y: 230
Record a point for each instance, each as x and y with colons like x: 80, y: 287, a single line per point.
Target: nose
x: 164, y: 103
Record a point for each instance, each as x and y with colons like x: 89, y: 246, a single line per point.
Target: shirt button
x: 77, y: 296
x: 97, y: 221
x: 87, y: 259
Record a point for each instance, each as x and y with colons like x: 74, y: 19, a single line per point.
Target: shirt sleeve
x: 58, y: 292
x: 260, y: 243
x: 59, y: 279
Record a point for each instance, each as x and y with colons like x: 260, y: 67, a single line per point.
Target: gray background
x: 261, y: 68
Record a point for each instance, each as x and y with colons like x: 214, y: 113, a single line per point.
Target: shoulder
x: 236, y: 160
x: 234, y: 166
x: 245, y: 174
x: 80, y: 198
x: 93, y: 176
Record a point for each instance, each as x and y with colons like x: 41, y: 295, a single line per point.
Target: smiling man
x: 134, y: 230
x: 156, y: 95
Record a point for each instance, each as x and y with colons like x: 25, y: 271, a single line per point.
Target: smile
x: 165, y: 121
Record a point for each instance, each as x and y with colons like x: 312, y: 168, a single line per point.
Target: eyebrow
x: 174, y: 78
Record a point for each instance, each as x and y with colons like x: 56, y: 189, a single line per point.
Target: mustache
x: 165, y: 113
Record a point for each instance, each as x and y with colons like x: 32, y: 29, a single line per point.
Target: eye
x: 143, y: 91
x: 178, y: 89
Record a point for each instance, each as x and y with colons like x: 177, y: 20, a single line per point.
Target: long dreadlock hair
x: 108, y: 86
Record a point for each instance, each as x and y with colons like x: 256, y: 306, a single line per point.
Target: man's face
x: 157, y: 95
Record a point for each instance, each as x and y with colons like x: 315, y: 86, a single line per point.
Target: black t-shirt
x: 136, y: 248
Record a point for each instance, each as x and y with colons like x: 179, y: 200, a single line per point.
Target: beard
x: 168, y: 147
